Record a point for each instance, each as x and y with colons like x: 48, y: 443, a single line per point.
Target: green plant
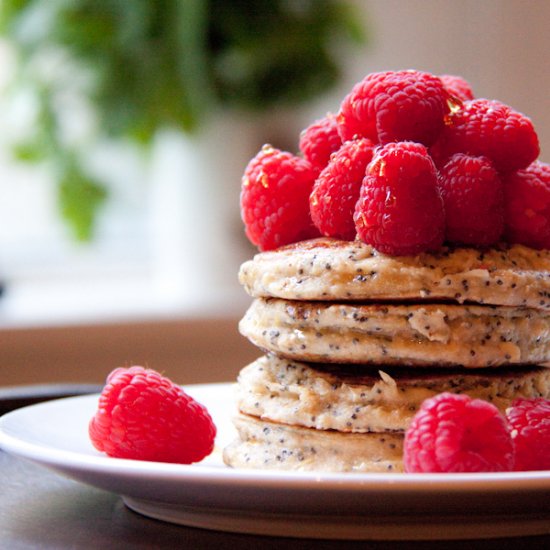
x: 142, y: 65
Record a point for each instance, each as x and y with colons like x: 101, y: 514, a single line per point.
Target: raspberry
x: 529, y: 420
x: 275, y: 199
x: 457, y: 87
x: 473, y: 197
x: 335, y: 193
x: 527, y: 205
x: 489, y: 128
x: 144, y: 416
x: 455, y: 433
x: 394, y: 106
x: 400, y: 210
x: 319, y: 140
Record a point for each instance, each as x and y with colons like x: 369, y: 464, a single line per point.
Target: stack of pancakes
x: 355, y: 340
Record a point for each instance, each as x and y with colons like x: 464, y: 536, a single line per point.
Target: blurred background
x: 126, y: 126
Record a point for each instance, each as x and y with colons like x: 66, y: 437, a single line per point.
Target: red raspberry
x: 457, y: 87
x: 489, y: 128
x: 527, y: 204
x: 529, y: 420
x: 473, y: 197
x: 319, y: 140
x: 400, y: 210
x: 394, y: 106
x: 144, y: 416
x: 275, y: 199
x: 455, y: 433
x: 336, y: 191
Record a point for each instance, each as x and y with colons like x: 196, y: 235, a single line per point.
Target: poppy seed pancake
x: 333, y: 270
x: 439, y: 335
x: 264, y: 444
x: 353, y: 399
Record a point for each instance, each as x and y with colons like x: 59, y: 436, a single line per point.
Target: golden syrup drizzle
x: 390, y: 199
x: 313, y: 199
x: 361, y: 221
x: 378, y: 168
x: 455, y: 105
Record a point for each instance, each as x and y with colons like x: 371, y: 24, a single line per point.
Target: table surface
x: 41, y: 509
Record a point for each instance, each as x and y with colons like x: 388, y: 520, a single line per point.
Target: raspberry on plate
x: 529, y: 421
x: 319, y: 140
x: 275, y: 199
x: 483, y: 127
x: 457, y: 87
x: 400, y: 210
x: 527, y: 205
x: 473, y: 197
x: 395, y: 106
x: 336, y: 190
x: 144, y: 416
x: 455, y: 433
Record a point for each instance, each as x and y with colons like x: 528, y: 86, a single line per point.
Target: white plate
x: 210, y: 495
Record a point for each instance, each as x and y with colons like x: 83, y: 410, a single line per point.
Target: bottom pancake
x: 268, y: 445
x: 352, y: 399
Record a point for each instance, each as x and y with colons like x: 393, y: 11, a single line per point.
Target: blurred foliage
x: 143, y: 65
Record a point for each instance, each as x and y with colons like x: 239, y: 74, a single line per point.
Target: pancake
x: 332, y: 270
x: 268, y: 445
x: 431, y: 334
x: 348, y: 399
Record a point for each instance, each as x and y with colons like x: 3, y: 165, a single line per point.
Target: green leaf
x: 191, y: 60
x: 79, y: 197
x: 10, y: 11
x: 30, y: 151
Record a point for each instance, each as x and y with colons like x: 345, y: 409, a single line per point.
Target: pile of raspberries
x: 410, y: 162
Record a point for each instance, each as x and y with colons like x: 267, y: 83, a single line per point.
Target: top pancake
x: 328, y: 269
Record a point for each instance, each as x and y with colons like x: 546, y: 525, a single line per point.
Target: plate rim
x: 60, y: 459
